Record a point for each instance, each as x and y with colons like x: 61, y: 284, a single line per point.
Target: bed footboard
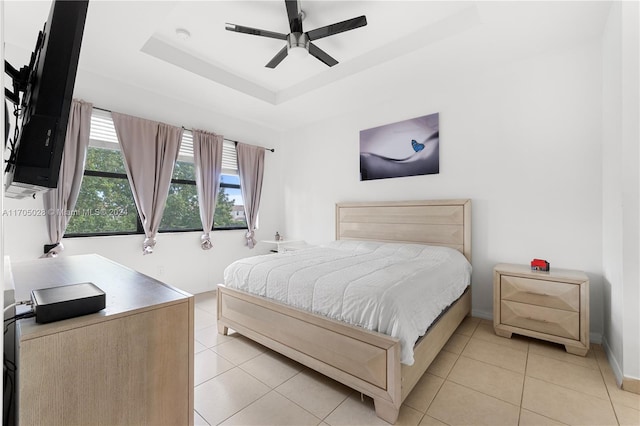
x: 366, y: 361
x: 363, y: 360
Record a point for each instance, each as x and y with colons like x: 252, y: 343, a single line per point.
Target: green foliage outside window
x: 104, y: 160
x: 106, y: 206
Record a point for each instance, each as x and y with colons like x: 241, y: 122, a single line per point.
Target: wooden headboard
x: 435, y: 222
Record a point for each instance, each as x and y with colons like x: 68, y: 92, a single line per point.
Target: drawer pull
x: 537, y: 294
x: 538, y: 320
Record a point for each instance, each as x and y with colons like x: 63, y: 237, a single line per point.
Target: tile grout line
x: 524, y: 379
x: 568, y: 362
x: 252, y: 402
x: 574, y: 390
x: 528, y: 353
x: 301, y: 407
x: 615, y: 413
x: 446, y: 378
x: 570, y: 389
x: 492, y: 365
x: 510, y: 346
x: 485, y: 394
x: 288, y: 399
x: 293, y: 402
x: 214, y: 377
x: 267, y: 384
x: 234, y: 364
x: 202, y: 417
x: 227, y: 418
x: 341, y: 402
x: 433, y: 399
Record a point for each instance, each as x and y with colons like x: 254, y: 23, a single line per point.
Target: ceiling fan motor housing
x: 297, y: 40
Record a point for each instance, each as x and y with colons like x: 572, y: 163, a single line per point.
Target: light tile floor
x: 477, y: 379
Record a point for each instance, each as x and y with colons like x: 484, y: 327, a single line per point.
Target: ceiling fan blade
x: 340, y: 27
x: 293, y: 12
x: 278, y: 58
x: 321, y: 55
x: 254, y: 31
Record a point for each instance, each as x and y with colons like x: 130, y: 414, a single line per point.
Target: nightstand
x: 552, y: 305
x: 283, y: 246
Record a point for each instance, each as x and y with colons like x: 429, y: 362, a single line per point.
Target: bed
x: 367, y: 361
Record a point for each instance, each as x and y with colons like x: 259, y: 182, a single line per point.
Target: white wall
x: 621, y: 189
x: 177, y: 259
x: 522, y: 140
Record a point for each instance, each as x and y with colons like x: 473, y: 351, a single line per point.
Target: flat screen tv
x: 45, y: 101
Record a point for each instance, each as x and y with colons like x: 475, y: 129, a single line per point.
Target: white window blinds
x: 103, y: 135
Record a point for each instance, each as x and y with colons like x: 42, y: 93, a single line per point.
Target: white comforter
x: 395, y: 289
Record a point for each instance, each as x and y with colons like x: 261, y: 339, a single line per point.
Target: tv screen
x: 34, y: 164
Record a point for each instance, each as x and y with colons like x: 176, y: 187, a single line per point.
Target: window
x: 105, y: 204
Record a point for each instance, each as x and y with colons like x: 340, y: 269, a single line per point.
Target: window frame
x: 193, y: 182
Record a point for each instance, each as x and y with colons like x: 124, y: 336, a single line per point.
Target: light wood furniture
x: 363, y: 360
x: 552, y: 305
x: 131, y: 363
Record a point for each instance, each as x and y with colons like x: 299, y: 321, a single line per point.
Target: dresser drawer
x: 552, y: 321
x: 540, y: 292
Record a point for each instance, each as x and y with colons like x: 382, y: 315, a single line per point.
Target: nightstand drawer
x: 557, y: 322
x: 540, y: 292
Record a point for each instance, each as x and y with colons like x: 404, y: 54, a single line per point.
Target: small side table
x: 552, y: 305
x: 284, y: 245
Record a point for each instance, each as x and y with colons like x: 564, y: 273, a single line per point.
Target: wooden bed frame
x: 366, y: 361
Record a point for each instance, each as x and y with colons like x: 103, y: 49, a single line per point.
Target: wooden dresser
x: 552, y: 305
x: 131, y: 363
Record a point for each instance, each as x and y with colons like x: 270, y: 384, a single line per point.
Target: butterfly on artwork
x: 417, y: 147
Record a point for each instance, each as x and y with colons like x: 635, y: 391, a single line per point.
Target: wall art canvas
x: 406, y: 148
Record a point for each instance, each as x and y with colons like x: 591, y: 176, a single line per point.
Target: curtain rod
x: 228, y: 140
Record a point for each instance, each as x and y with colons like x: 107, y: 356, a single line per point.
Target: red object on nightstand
x: 539, y: 265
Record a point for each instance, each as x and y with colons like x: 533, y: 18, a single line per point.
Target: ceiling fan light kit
x: 297, y: 45
x: 297, y: 39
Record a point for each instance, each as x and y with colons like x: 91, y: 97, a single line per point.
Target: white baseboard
x: 629, y: 384
x: 617, y: 371
x: 482, y: 314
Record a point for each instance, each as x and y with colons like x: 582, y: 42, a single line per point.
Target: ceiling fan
x: 297, y: 38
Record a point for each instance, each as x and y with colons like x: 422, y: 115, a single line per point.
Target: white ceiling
x: 134, y: 42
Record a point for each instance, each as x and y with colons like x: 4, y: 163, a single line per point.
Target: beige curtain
x: 251, y: 170
x: 60, y: 201
x: 150, y: 150
x: 207, y: 155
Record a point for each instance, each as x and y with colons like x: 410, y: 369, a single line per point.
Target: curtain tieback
x: 148, y: 245
x: 54, y: 251
x: 251, y: 242
x: 205, y: 241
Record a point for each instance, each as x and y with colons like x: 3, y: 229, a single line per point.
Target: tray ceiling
x: 405, y: 42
